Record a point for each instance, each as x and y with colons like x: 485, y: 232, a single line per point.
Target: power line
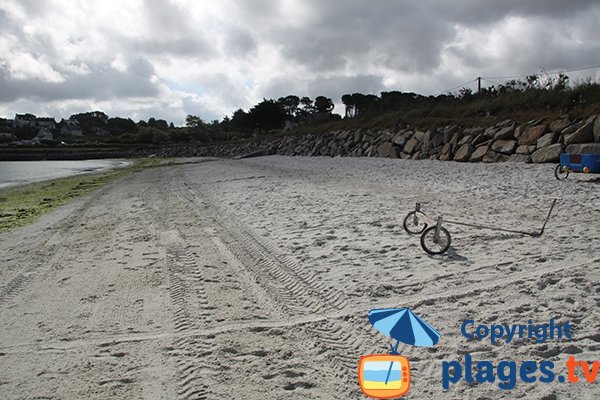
x: 458, y: 86
x: 546, y: 72
x: 490, y: 78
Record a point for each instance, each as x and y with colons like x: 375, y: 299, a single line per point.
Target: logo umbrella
x: 404, y: 326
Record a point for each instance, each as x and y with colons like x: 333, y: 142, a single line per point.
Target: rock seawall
x: 536, y: 141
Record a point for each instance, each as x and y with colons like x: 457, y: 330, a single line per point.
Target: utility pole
x: 478, y: 84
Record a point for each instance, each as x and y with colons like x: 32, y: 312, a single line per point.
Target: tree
x: 349, y: 104
x: 289, y: 104
x: 323, y: 105
x: 267, y: 115
x: 192, y: 121
x: 307, y: 107
x: 90, y: 120
x: 158, y: 123
x: 116, y: 126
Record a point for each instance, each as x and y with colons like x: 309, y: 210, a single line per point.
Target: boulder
x: 395, y: 152
x: 489, y: 157
x: 501, y: 157
x: 559, y: 125
x: 525, y: 149
x: 473, y: 131
x: 456, y: 138
x: 571, y: 128
x: 436, y: 150
x: 480, y: 139
x: 411, y: 146
x: 419, y: 135
x: 449, y: 132
x: 463, y: 153
x: 384, y: 149
x: 585, y: 134
x: 531, y: 135
x: 438, y: 140
x: 518, y: 132
x: 504, y: 146
x: 524, y: 158
x: 505, y: 133
x: 490, y: 132
x: 584, y: 148
x: 387, y: 135
x: 399, y: 139
x: 547, y: 154
x: 479, y: 153
x: 465, y: 139
x: 547, y: 139
x: 446, y: 153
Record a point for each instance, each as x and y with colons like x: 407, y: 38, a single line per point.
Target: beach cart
x: 436, y: 239
x: 586, y: 163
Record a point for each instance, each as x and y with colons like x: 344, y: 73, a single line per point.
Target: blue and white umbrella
x: 404, y: 326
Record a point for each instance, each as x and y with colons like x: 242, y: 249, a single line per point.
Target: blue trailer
x: 586, y: 163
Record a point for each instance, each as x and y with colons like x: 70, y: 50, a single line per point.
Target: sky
x: 170, y: 58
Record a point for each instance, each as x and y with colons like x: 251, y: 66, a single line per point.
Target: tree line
x: 269, y: 115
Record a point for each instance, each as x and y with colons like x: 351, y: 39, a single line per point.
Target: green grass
x: 22, y: 205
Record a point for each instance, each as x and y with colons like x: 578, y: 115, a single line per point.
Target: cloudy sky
x: 169, y: 58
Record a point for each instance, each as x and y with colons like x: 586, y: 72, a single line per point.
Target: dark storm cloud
x: 393, y: 34
x: 101, y: 83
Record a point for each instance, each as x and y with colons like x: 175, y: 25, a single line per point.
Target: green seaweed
x: 21, y: 205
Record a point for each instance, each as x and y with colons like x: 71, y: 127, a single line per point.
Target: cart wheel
x: 413, y: 224
x: 432, y: 246
x: 559, y: 173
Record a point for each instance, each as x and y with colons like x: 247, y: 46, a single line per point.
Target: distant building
x: 70, y: 127
x: 22, y: 120
x: 43, y: 134
x: 46, y: 122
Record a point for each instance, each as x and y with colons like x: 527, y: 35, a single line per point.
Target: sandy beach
x: 252, y: 279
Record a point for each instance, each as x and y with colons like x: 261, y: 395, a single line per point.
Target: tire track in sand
x: 191, y: 307
x: 294, y: 289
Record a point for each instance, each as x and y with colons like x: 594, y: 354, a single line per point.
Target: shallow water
x: 21, y: 172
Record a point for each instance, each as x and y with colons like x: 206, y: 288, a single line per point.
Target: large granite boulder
x: 585, y: 134
x: 504, y: 146
x: 479, y: 153
x: 547, y: 154
x: 559, y: 124
x: 463, y: 153
x: 531, y: 135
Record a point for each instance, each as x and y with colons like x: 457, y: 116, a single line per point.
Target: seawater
x: 14, y: 173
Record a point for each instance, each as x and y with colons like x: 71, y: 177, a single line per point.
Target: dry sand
x: 252, y: 279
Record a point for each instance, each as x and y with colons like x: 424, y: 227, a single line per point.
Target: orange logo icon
x: 384, y: 376
x: 387, y: 376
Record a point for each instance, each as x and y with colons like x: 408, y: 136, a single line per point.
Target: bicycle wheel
x: 559, y: 173
x: 432, y: 246
x: 413, y: 224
